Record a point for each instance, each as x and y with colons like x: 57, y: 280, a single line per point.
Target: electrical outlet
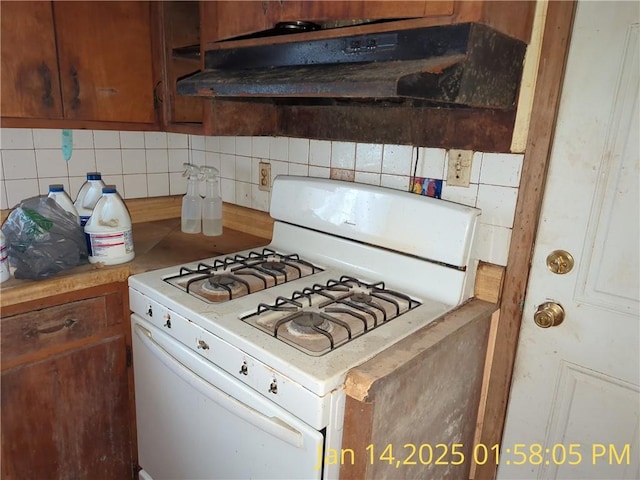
x: 459, y: 168
x: 264, y: 177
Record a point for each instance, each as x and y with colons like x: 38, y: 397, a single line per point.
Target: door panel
x: 575, y: 385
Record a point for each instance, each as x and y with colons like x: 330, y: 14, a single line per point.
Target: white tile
x: 476, y: 167
x: 320, y: 153
x: 158, y: 184
x: 50, y: 163
x: 492, y: 244
x: 228, y: 166
x: 212, y: 159
x: 501, y: 169
x: 343, y: 155
x: 398, y: 182
x: 19, y: 164
x: 47, y: 138
x: 43, y: 185
x: 279, y: 148
x: 82, y: 140
x: 299, y: 150
x: 81, y: 162
x: 396, y: 159
x: 74, y: 186
x: 243, y: 146
x: 135, y: 186
x: 278, y: 168
x: 431, y: 163
x: 243, y: 169
x: 109, y: 161
x: 178, y: 140
x: 155, y: 140
x: 367, y: 177
x: 197, y: 157
x: 368, y: 157
x: 132, y: 140
x: 106, y: 139
x: 464, y: 195
x: 16, y: 138
x: 228, y: 190
x: 243, y: 194
x: 211, y: 144
x: 177, y: 158
x: 134, y: 160
x: 115, y: 180
x: 18, y: 190
x: 177, y: 184
x: 228, y: 145
x: 298, y: 169
x: 260, y: 199
x: 158, y: 160
x: 319, y: 172
x: 260, y: 147
x: 3, y: 196
x: 498, y: 205
x: 197, y: 142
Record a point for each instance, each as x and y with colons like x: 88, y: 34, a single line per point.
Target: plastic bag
x: 43, y: 239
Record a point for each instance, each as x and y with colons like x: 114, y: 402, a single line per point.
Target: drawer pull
x: 68, y: 323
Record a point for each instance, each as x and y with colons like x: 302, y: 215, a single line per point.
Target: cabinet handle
x: 68, y: 323
x: 45, y: 73
x: 75, y: 101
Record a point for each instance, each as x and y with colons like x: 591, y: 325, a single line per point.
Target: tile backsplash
x: 150, y: 164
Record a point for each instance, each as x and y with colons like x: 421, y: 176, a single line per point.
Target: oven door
x: 195, y: 421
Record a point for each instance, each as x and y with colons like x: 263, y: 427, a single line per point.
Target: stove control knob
x: 168, y: 322
x: 150, y: 312
x: 273, y: 388
x: 203, y: 345
x: 244, y: 369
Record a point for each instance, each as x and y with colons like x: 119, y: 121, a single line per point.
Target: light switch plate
x: 264, y: 176
x: 459, y: 168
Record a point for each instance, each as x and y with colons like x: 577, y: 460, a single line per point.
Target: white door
x: 574, y: 406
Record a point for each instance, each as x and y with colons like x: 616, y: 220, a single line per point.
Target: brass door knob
x: 549, y: 314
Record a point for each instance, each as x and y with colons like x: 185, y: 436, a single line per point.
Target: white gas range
x: 240, y: 360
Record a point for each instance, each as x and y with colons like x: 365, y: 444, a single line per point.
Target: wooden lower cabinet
x: 67, y: 402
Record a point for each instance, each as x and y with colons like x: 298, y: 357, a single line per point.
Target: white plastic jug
x: 4, y: 259
x: 57, y: 192
x: 88, y: 196
x: 108, y: 230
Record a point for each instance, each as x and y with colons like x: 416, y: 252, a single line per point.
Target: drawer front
x: 33, y: 331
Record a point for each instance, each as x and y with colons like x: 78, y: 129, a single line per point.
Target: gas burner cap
x: 361, y: 297
x: 303, y: 323
x: 272, y: 265
x: 217, y: 282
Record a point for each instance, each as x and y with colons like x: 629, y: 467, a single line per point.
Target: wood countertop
x: 157, y: 244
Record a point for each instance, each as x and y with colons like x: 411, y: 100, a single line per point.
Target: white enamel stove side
x: 312, y: 409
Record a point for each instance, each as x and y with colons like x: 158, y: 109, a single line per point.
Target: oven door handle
x: 272, y: 425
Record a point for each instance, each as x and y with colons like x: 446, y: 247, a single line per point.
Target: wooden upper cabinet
x: 77, y: 61
x: 29, y: 80
x: 104, y: 51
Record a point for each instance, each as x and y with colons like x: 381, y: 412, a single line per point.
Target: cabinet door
x: 67, y: 416
x: 104, y: 51
x: 29, y: 74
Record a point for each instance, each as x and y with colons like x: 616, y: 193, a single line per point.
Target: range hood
x: 467, y: 64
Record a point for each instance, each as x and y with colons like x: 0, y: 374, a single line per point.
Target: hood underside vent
x: 466, y: 64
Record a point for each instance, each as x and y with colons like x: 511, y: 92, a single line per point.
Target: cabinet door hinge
x: 129, y: 355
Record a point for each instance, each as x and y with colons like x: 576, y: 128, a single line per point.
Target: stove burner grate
x: 320, y: 318
x: 239, y: 275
